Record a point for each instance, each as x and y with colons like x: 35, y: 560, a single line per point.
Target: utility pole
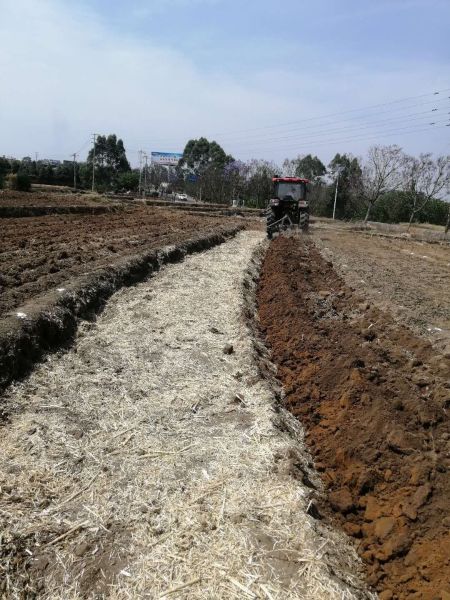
x: 339, y: 169
x: 335, y: 195
x: 140, y: 172
x: 36, y: 154
x: 94, y: 137
x: 145, y: 173
x: 74, y: 170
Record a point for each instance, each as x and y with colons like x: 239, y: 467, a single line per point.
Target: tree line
x: 112, y: 169
x: 386, y: 185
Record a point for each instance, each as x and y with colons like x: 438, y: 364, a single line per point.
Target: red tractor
x: 288, y: 206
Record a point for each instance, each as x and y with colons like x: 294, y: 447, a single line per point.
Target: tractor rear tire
x: 271, y: 219
x: 304, y: 221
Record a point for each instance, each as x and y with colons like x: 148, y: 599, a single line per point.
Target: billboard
x: 168, y: 159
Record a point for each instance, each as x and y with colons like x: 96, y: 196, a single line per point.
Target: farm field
x: 38, y: 254
x: 51, y: 198
x: 407, y: 277
x: 372, y: 394
x: 158, y: 455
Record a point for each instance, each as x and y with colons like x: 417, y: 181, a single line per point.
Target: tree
x: 63, y: 173
x: 258, y: 188
x: 307, y: 166
x: 346, y: 172
x: 423, y: 180
x: 198, y: 155
x: 381, y: 173
x: 203, y: 164
x: 45, y: 173
x: 235, y: 174
x: 20, y: 182
x: 4, y: 170
x: 110, y: 161
x: 128, y: 181
x: 157, y: 174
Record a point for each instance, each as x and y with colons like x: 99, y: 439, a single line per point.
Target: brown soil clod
x: 372, y: 398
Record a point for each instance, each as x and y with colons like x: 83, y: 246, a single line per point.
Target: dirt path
x: 148, y: 462
x: 410, y: 279
x: 374, y: 399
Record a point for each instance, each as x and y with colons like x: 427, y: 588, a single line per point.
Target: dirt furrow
x: 374, y: 400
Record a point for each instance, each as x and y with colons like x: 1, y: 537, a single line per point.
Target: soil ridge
x: 50, y: 321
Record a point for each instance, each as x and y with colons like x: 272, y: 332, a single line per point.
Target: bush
x: 128, y: 181
x: 20, y: 182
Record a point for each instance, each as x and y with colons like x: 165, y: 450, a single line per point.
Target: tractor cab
x: 289, y: 189
x: 288, y: 206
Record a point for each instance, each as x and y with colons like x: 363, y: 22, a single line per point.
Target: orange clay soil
x: 373, y: 399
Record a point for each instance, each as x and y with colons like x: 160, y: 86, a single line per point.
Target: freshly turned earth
x: 40, y: 253
x: 373, y: 399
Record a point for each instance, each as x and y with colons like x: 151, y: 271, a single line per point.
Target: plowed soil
x: 373, y: 398
x: 409, y: 278
x: 50, y: 198
x: 39, y: 253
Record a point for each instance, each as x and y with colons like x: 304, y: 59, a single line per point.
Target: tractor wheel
x: 304, y: 221
x: 271, y: 219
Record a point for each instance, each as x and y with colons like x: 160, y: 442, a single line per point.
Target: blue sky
x: 159, y: 72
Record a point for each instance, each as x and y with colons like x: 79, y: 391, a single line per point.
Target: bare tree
x: 381, y: 173
x: 447, y: 225
x: 289, y: 167
x: 424, y: 179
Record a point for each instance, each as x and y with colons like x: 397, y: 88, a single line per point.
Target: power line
x: 344, y: 139
x: 84, y: 145
x: 373, y: 124
x: 361, y: 118
x: 264, y: 133
x: 402, y: 131
x: 438, y: 92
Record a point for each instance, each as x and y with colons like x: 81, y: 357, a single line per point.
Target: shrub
x: 20, y: 182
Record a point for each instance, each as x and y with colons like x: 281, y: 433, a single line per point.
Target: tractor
x: 288, y: 206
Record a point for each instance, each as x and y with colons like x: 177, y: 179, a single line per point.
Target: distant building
x: 50, y: 162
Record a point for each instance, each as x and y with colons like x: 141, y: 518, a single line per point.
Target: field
x: 372, y: 395
x: 40, y: 253
x: 253, y: 421
x: 9, y: 198
x: 409, y: 278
